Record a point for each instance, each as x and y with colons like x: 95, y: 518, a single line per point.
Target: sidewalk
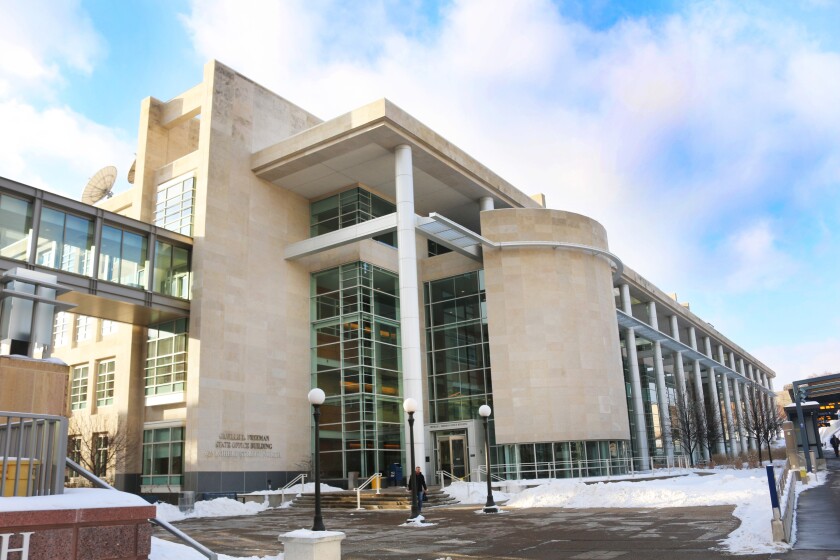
x: 818, y: 513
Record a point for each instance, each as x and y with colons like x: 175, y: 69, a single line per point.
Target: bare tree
x: 100, y: 444
x: 712, y: 431
x: 762, y: 422
x: 688, y: 420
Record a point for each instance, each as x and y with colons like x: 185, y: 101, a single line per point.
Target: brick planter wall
x: 112, y: 533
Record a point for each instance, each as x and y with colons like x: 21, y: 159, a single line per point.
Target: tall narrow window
x: 74, y: 453
x: 79, y: 388
x: 109, y: 327
x: 61, y: 333
x: 105, y: 382
x: 101, y: 454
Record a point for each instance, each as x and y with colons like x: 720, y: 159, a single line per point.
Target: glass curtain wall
x: 564, y: 459
x: 123, y: 257
x: 348, y: 208
x: 356, y: 361
x: 172, y: 270
x: 166, y: 357
x: 174, y: 206
x: 457, y: 345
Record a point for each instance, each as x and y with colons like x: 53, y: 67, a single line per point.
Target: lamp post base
x: 491, y: 509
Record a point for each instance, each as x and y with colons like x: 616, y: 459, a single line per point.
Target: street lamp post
x: 490, y: 507
x: 316, y: 398
x: 410, y: 406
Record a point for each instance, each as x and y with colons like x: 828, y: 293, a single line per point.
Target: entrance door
x: 452, y: 455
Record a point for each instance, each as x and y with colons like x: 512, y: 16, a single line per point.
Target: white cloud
x: 57, y: 149
x: 792, y: 362
x: 756, y: 261
x: 46, y: 144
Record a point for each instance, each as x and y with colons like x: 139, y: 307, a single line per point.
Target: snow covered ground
x: 746, y: 489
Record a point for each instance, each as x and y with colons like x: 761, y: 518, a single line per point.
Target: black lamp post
x: 316, y: 398
x: 410, y: 406
x: 490, y: 507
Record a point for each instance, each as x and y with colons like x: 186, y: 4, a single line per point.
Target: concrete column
x: 698, y: 392
x: 692, y: 338
x: 635, y: 384
x: 409, y: 296
x: 734, y: 444
x: 748, y: 400
x: 714, y: 401
x: 486, y: 203
x: 739, y: 417
x: 678, y: 360
x: 661, y: 389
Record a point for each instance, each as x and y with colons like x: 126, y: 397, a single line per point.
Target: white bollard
x: 304, y: 544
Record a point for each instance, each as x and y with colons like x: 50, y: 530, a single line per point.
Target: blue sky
x: 705, y: 136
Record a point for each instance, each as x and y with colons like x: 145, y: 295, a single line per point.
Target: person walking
x: 417, y: 484
x: 835, y: 443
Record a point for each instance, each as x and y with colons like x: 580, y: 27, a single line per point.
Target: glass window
x: 166, y: 358
x: 15, y: 227
x: 109, y: 327
x: 65, y: 242
x: 105, y: 382
x: 101, y: 454
x: 61, y: 332
x: 172, y: 270
x: 163, y: 456
x: 123, y: 257
x: 74, y: 453
x: 348, y: 208
x: 356, y: 361
x: 84, y: 327
x: 174, y: 208
x: 79, y: 388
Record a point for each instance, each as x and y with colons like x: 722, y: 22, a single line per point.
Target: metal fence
x: 32, y: 452
x: 615, y: 466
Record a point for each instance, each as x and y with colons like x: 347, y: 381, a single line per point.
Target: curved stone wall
x: 554, y: 346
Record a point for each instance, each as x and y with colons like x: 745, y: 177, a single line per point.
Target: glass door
x: 452, y: 455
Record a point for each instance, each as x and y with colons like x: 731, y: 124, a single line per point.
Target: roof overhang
x: 358, y: 148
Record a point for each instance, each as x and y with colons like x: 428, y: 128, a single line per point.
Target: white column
x: 635, y: 385
x: 698, y: 382
x: 714, y: 399
x: 748, y: 400
x: 486, y: 203
x: 409, y: 297
x: 734, y: 445
x: 739, y: 407
x: 678, y: 360
x: 661, y: 389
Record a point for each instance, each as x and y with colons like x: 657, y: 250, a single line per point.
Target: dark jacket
x: 835, y: 442
x: 421, y: 481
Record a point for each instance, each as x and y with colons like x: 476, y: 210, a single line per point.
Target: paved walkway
x: 818, y: 513
x: 462, y: 533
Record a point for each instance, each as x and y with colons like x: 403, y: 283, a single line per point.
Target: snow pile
x: 165, y: 550
x: 308, y: 488
x: 745, y: 489
x: 220, y: 507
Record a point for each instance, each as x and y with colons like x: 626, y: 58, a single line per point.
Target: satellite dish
x: 99, y: 186
x: 131, y: 172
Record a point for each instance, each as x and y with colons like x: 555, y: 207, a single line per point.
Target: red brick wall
x: 114, y: 533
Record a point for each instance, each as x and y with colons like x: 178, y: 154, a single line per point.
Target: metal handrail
x: 362, y: 486
x: 301, y: 477
x: 482, y: 470
x: 99, y: 483
x: 443, y: 474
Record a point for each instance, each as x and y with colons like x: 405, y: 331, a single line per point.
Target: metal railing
x: 375, y: 476
x: 443, y: 475
x: 32, y: 451
x: 189, y: 541
x: 301, y: 478
x: 614, y: 466
x: 482, y: 471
